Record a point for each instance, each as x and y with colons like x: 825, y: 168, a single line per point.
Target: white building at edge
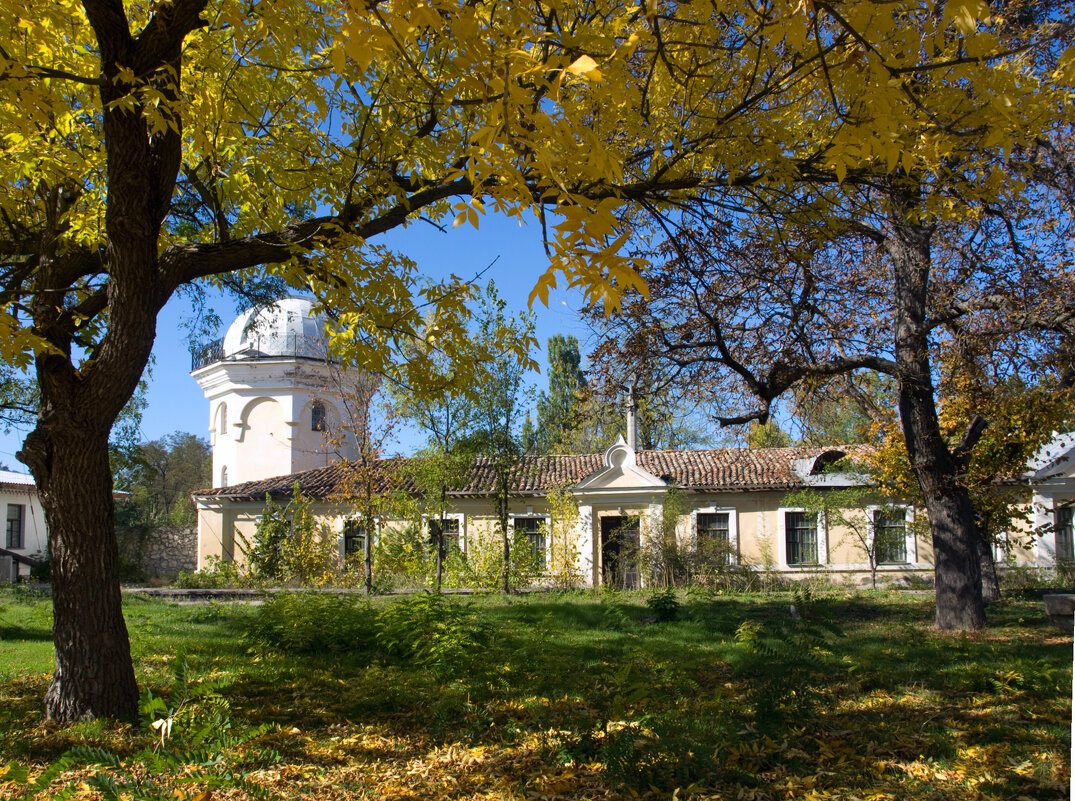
x: 25, y: 533
x: 274, y: 399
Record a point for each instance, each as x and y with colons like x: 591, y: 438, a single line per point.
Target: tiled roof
x: 727, y: 469
x: 20, y: 481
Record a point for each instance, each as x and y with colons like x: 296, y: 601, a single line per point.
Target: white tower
x: 274, y: 398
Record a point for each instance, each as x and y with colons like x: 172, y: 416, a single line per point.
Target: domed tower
x: 274, y: 398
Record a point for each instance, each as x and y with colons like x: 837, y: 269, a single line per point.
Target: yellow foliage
x: 287, y: 110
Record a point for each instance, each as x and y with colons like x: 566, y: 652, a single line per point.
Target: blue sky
x: 176, y: 403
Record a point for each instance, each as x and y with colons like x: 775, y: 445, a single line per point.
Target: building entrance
x: 620, y: 545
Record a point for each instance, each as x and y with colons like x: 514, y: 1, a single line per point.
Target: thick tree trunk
x: 94, y: 676
x: 957, y: 570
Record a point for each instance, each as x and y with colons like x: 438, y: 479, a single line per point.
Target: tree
x: 1024, y: 412
x: 152, y: 146
x: 845, y: 410
x: 767, y: 435
x: 160, y: 476
x: 495, y: 427
x: 846, y: 509
x: 667, y: 415
x: 367, y: 482
x: 874, y: 263
x: 441, y: 466
x: 559, y: 408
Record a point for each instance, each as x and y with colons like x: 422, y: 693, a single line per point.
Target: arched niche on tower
x: 262, y: 446
x: 220, y: 421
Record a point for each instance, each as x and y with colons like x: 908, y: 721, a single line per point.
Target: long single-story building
x: 272, y: 401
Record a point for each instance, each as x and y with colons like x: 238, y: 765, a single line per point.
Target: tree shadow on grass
x: 25, y: 634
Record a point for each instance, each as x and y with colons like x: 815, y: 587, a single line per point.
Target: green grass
x: 580, y: 696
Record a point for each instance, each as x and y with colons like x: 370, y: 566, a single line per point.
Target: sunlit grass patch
x: 583, y: 696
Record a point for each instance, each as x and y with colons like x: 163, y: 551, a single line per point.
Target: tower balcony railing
x: 270, y: 346
x: 205, y: 354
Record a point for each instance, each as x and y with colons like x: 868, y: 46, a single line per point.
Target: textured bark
x: 952, y: 522
x: 94, y: 676
x: 67, y: 452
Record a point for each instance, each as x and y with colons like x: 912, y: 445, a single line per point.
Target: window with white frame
x: 535, y: 530
x: 1062, y: 527
x: 889, y: 535
x: 450, y: 528
x: 713, y: 532
x: 801, y: 538
x: 16, y: 522
x: 354, y: 538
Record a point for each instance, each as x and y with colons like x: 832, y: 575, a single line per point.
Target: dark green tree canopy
x: 559, y: 409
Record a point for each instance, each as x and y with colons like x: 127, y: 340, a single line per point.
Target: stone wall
x: 159, y: 552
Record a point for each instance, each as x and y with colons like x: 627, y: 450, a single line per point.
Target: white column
x: 586, y: 546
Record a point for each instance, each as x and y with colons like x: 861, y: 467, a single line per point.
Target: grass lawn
x: 557, y: 697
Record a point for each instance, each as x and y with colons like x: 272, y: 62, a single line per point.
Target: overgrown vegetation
x: 558, y: 695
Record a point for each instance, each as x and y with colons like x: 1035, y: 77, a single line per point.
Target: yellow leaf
x: 585, y: 66
x: 966, y: 21
x: 460, y: 218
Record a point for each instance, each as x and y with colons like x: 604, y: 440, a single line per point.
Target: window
x: 534, y: 530
x: 800, y: 530
x: 450, y: 534
x: 714, y: 535
x: 224, y: 476
x: 222, y: 416
x: 1062, y: 527
x: 354, y: 538
x: 317, y: 416
x: 889, y: 536
x: 15, y: 517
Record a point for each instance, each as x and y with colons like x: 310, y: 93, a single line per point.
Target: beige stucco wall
x: 757, y: 531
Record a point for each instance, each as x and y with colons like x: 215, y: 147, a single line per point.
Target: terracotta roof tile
x: 726, y: 469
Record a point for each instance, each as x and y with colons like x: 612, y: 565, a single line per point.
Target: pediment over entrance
x: 621, y: 471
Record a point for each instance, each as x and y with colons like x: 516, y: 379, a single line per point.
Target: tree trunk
x: 94, y: 676
x: 957, y: 570
x: 990, y: 577
x: 438, y: 548
x: 502, y: 510
x: 367, y: 554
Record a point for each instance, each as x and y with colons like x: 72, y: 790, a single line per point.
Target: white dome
x: 287, y: 328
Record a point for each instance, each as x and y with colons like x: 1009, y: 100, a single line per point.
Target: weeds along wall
x: 556, y: 541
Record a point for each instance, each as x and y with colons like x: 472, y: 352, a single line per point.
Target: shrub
x: 312, y: 622
x: 785, y: 660
x: 217, y: 574
x: 290, y: 546
x: 664, y: 605
x: 432, y: 631
x: 402, y: 558
x: 41, y: 570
